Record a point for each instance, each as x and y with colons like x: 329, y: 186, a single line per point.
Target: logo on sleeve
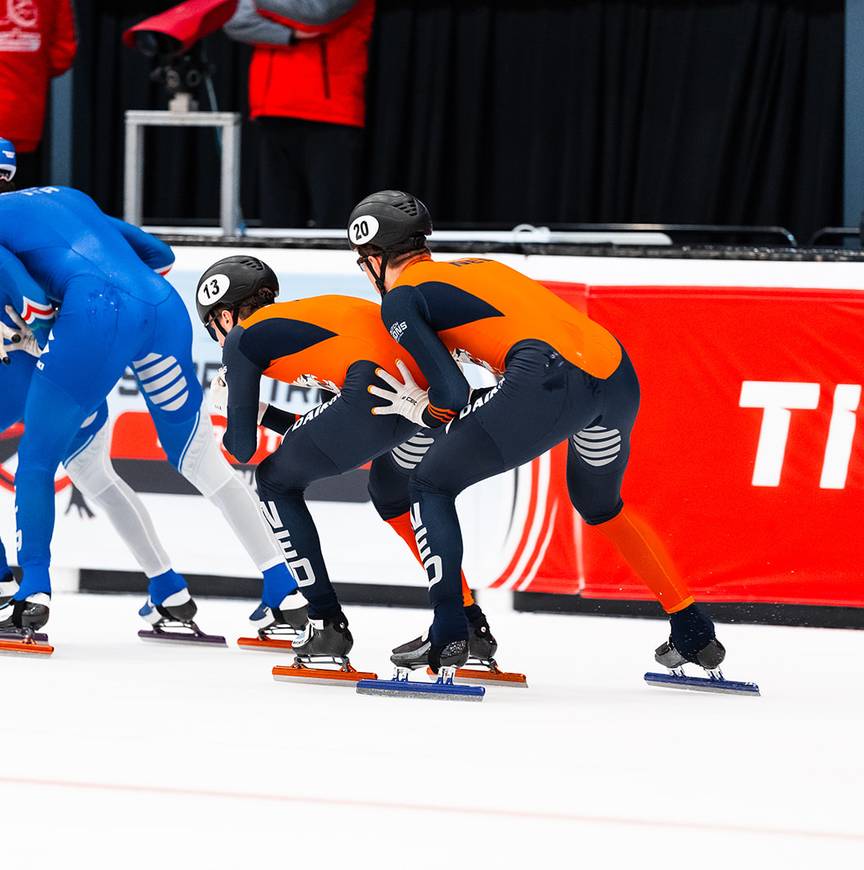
x: 363, y: 229
x: 397, y: 330
x: 213, y: 289
x: 34, y: 311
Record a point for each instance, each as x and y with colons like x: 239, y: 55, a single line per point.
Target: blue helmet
x: 7, y: 158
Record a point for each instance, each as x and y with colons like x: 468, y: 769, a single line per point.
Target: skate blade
x: 702, y: 684
x: 410, y: 689
x: 25, y: 647
x: 183, y: 638
x: 257, y: 643
x: 488, y: 677
x: 14, y: 635
x: 321, y: 676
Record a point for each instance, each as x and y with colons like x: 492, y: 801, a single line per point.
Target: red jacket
x: 37, y: 42
x: 320, y: 79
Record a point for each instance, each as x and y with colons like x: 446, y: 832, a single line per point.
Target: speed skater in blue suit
x: 116, y: 310
x: 87, y: 461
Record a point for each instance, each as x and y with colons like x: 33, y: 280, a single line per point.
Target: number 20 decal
x: 364, y: 229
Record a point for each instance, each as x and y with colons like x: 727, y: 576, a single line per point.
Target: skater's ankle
x: 327, y: 614
x: 474, y: 614
x: 441, y: 637
x: 163, y: 586
x: 692, y: 630
x: 278, y: 583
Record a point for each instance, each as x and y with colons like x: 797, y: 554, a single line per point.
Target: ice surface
x: 124, y: 755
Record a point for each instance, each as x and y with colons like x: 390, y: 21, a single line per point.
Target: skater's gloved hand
x: 217, y: 396
x: 19, y: 337
x: 406, y: 399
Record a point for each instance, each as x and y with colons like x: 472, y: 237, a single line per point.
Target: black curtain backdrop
x: 545, y: 111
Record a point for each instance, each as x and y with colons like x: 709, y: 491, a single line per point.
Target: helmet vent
x: 409, y: 207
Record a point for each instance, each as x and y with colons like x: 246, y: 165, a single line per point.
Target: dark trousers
x: 337, y: 436
x: 542, y: 400
x: 307, y: 172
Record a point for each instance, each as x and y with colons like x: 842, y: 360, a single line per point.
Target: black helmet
x: 386, y: 223
x: 389, y: 222
x: 229, y: 282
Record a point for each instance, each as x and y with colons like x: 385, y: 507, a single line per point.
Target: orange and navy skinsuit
x: 309, y: 342
x: 335, y: 343
x: 564, y: 377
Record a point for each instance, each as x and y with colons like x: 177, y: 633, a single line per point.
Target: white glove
x: 217, y: 396
x: 406, y: 399
x: 18, y: 338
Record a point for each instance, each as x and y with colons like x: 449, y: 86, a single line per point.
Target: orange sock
x: 644, y: 552
x: 402, y: 526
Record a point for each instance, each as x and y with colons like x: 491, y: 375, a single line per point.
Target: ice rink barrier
x: 747, y: 455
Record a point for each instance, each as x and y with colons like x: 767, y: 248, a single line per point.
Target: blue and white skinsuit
x: 115, y: 311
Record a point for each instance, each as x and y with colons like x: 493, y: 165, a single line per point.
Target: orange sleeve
x: 62, y: 42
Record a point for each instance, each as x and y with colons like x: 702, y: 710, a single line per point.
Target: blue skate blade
x: 410, y: 689
x: 702, y: 684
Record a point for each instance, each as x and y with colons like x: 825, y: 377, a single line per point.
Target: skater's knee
x: 388, y: 492
x: 599, y: 513
x: 276, y: 477
x: 90, y: 468
x: 93, y: 478
x: 434, y: 482
x: 202, y: 463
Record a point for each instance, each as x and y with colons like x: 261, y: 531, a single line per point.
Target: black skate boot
x: 482, y: 669
x: 692, y: 639
x: 422, y: 653
x: 20, y: 632
x: 482, y: 646
x: 173, y: 621
x: 31, y: 614
x: 328, y: 638
x: 321, y: 655
x: 179, y: 607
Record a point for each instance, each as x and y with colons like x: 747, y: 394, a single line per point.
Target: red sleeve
x: 61, y: 40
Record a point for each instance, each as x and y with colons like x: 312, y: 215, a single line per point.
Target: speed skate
x: 486, y: 672
x: 172, y: 622
x: 677, y: 678
x: 401, y: 686
x: 277, y: 638
x: 24, y: 642
x: 182, y: 632
x: 19, y: 633
x: 321, y: 655
x: 714, y: 682
x: 325, y: 670
x: 415, y: 655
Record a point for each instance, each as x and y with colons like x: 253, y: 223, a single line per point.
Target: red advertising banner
x: 747, y: 456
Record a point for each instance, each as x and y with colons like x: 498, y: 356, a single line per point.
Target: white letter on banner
x: 776, y: 397
x: 841, y: 433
